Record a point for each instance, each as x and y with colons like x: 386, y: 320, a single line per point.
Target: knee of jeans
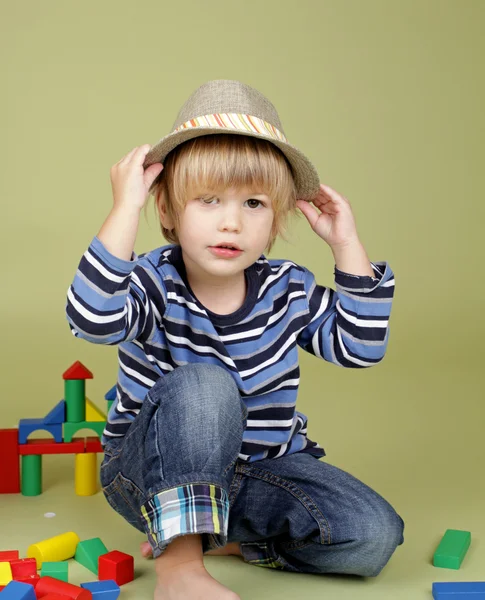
x: 212, y: 383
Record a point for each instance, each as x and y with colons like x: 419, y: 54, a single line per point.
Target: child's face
x: 236, y: 216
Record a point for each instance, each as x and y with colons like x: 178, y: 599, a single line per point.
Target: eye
x: 208, y: 201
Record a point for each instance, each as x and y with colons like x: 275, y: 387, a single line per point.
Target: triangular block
x: 77, y: 371
x: 88, y: 553
x: 111, y: 394
x: 57, y: 414
x: 93, y: 413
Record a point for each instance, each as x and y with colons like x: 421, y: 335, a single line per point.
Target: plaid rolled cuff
x: 188, y: 508
x: 262, y: 554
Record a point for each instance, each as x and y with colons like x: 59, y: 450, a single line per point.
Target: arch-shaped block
x: 71, y: 428
x: 27, y: 426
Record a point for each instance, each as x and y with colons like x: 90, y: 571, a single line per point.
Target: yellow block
x: 54, y: 549
x: 86, y: 474
x: 5, y: 573
x: 93, y: 413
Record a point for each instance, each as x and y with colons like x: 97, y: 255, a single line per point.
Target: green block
x: 58, y: 570
x: 88, y: 553
x: 31, y: 474
x: 75, y: 398
x: 69, y: 429
x: 452, y: 549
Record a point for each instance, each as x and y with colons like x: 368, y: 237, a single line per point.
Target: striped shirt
x: 146, y: 306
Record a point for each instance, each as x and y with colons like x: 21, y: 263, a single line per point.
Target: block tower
x: 71, y: 414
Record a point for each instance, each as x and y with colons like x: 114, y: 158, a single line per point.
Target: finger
x: 331, y: 193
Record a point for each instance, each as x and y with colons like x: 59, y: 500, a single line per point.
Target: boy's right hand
x: 129, y: 181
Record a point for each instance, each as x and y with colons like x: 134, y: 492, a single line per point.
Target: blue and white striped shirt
x: 146, y: 306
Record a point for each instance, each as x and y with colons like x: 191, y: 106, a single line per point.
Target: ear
x: 167, y: 222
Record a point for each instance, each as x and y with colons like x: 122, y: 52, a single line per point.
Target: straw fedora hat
x: 229, y: 106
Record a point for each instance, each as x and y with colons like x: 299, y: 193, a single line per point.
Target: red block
x: 30, y: 580
x: 116, y: 565
x: 23, y: 568
x: 50, y: 446
x: 77, y: 371
x: 49, y: 585
x: 93, y: 444
x: 55, y: 597
x: 8, y: 555
x: 9, y: 462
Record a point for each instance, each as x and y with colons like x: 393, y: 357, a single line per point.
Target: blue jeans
x: 177, y: 471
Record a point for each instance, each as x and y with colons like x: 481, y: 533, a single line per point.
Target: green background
x: 386, y: 99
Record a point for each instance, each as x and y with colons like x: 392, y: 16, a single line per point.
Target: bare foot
x: 232, y: 548
x: 195, y: 583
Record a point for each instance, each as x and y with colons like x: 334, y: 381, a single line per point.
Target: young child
x: 205, y: 451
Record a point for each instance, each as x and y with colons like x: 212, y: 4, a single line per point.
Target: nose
x: 231, y: 219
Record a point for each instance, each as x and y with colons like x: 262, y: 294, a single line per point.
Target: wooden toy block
x: 93, y: 444
x: 93, y: 413
x: 452, y: 549
x: 9, y: 462
x: 77, y: 371
x: 86, y: 474
x: 27, y: 426
x: 8, y: 555
x: 110, y: 396
x: 103, y: 590
x: 49, y: 585
x: 54, y: 549
x: 16, y: 590
x: 459, y: 590
x: 57, y: 569
x: 5, y: 573
x: 24, y: 569
x: 71, y: 428
x: 116, y: 565
x: 75, y: 395
x: 57, y: 414
x: 88, y: 553
x: 50, y: 446
x: 31, y: 484
x: 75, y: 391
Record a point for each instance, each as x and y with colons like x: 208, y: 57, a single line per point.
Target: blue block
x: 57, y: 414
x: 27, y: 426
x: 107, y: 589
x: 111, y: 394
x: 16, y: 590
x: 459, y: 590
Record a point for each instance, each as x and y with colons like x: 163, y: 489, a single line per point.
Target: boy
x: 204, y: 449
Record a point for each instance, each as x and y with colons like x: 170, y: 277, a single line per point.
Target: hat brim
x: 307, y: 181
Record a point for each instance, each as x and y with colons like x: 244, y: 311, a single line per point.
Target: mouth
x: 225, y: 252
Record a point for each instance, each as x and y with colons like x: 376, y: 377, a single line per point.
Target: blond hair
x: 212, y: 163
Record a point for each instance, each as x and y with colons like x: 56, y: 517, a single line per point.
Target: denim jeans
x: 177, y: 471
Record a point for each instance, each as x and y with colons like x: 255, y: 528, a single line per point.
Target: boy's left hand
x: 335, y: 223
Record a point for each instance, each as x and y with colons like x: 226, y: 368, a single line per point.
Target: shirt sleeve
x: 348, y: 326
x: 108, y: 301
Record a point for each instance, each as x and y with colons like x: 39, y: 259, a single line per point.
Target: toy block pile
x: 449, y: 555
x: 71, y: 414
x: 19, y: 579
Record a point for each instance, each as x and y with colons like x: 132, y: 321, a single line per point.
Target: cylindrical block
x: 86, y: 474
x: 31, y: 476
x: 47, y: 584
x: 75, y: 397
x: 57, y: 548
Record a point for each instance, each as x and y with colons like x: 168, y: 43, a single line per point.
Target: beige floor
x: 408, y: 575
